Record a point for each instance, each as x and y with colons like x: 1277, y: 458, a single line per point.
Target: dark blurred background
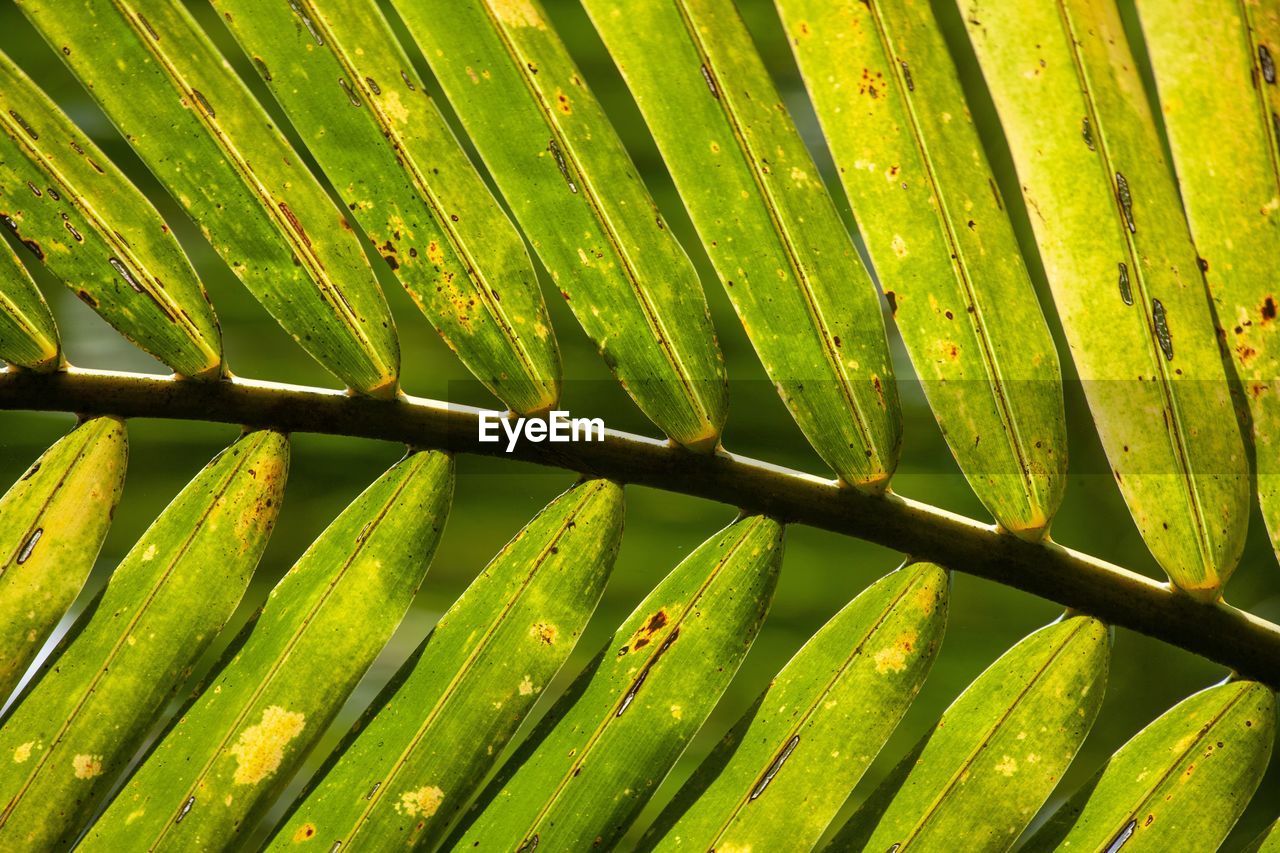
x: 494, y: 498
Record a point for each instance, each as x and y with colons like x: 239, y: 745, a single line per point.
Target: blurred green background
x: 494, y: 498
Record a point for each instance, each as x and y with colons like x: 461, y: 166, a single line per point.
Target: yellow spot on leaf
x: 305, y: 833
x: 894, y: 657
x: 545, y: 632
x: 421, y: 803
x: 23, y: 752
x: 899, y: 246
x: 260, y: 748
x: 87, y: 766
x: 526, y: 686
x: 1007, y: 766
x: 677, y: 712
x: 149, y: 554
x: 517, y: 13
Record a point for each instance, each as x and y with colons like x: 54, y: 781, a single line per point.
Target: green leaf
x: 82, y: 219
x: 28, y: 335
x: 995, y: 756
x: 193, y: 122
x: 780, y: 777
x: 1179, y: 784
x: 579, y: 198
x: 1207, y: 59
x: 1267, y: 842
x: 52, y: 523
x: 896, y: 119
x: 353, y: 94
x: 96, y: 699
x: 404, y: 773
x: 239, y: 742
x: 602, y: 749
x: 767, y: 223
x: 1116, y: 250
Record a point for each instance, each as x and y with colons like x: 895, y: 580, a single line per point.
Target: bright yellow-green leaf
x: 83, y: 219
x: 580, y: 200
x: 404, y: 773
x: 195, y: 124
x: 239, y: 742
x: 28, y: 335
x: 781, y: 775
x: 354, y: 96
x: 1208, y: 60
x: 596, y: 758
x: 896, y: 119
x: 1117, y: 253
x: 94, y: 701
x: 995, y: 756
x: 1179, y: 784
x: 767, y: 222
x: 52, y: 523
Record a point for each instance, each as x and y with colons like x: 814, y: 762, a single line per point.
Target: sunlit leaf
x: 1129, y: 293
x: 600, y: 752
x: 405, y: 773
x: 357, y: 101
x: 577, y: 195
x: 52, y: 523
x: 28, y: 335
x: 1179, y: 784
x: 782, y: 773
x: 767, y: 222
x: 997, y: 753
x: 237, y: 744
x: 899, y: 127
x: 78, y: 215
x: 193, y: 122
x: 97, y: 697
x: 1208, y: 57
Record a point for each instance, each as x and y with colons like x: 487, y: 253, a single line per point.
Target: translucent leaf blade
x: 79, y: 216
x: 90, y: 709
x: 767, y: 222
x: 1207, y: 56
x: 1180, y: 783
x: 240, y: 741
x: 577, y: 195
x: 995, y: 756
x: 28, y: 334
x: 52, y: 523
x: 193, y: 122
x: 404, y: 773
x: 600, y: 752
x: 779, y: 778
x: 354, y: 96
x: 889, y: 99
x: 1124, y: 276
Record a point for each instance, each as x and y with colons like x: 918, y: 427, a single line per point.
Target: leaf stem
x: 1248, y: 645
